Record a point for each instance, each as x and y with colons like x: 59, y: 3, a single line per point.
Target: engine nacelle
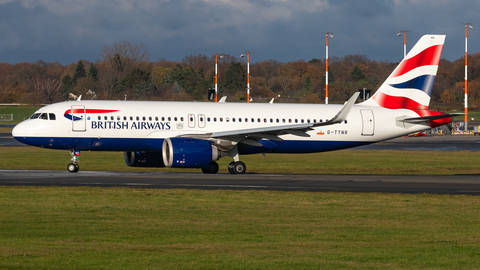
x: 188, y: 153
x: 144, y: 159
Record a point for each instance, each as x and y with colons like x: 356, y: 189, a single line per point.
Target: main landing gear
x: 73, y: 167
x: 236, y: 166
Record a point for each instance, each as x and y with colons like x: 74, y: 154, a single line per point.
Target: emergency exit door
x: 368, y: 122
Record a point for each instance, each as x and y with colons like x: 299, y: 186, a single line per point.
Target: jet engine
x: 144, y: 159
x: 189, y: 153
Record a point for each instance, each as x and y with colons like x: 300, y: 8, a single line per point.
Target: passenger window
x: 253, y: 120
x: 149, y: 118
x: 283, y: 120
x: 169, y: 118
x: 290, y: 120
x: 278, y: 120
x: 105, y: 117
x: 208, y: 119
x: 156, y: 118
x: 163, y: 118
x: 233, y: 119
x: 302, y: 120
x: 308, y: 120
x: 124, y: 118
x: 246, y: 119
x: 221, y: 119
x: 175, y: 119
x: 258, y: 120
x: 138, y: 118
x: 52, y: 116
x: 227, y: 119
x: 143, y: 118
x: 214, y: 119
x: 118, y: 118
x: 239, y: 119
x: 296, y: 120
x: 99, y: 117
x: 181, y: 119
x: 191, y: 119
x: 131, y: 118
x: 345, y: 121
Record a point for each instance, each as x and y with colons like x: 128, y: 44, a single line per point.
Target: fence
x: 6, y: 117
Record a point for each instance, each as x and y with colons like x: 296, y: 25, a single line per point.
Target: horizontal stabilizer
x: 415, y: 120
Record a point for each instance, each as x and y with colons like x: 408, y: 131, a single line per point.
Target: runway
x: 432, y: 184
x: 411, y: 184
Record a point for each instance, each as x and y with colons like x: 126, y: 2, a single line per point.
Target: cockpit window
x: 52, y: 116
x: 43, y: 116
x: 35, y: 116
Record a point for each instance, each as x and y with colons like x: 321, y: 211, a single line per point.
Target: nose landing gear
x: 73, y: 167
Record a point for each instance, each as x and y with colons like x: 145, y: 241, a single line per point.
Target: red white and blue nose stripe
x: 71, y: 114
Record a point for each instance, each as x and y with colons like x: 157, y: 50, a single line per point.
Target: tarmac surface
x: 433, y: 184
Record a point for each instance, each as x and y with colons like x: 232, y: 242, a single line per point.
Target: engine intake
x: 188, y: 153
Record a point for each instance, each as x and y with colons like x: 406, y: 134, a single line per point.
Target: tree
x: 307, y: 85
x: 79, y: 72
x: 356, y: 73
x: 67, y: 84
x: 123, y: 56
x: 93, y: 72
x: 235, y: 77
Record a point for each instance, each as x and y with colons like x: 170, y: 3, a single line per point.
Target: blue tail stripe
x: 423, y: 83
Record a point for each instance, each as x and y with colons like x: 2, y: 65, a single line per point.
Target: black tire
x: 230, y: 167
x: 239, y: 167
x: 72, y: 168
x: 212, y: 169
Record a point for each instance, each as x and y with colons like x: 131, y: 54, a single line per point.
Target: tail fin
x: 410, y: 85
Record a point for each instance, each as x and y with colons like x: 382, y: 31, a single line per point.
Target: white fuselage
x: 142, y: 125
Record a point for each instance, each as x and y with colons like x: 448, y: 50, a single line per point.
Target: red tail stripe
x: 392, y: 102
x: 89, y: 111
x: 428, y: 57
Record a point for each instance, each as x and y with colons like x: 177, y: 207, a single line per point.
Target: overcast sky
x: 284, y: 30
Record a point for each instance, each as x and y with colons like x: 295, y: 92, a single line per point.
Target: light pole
x: 466, y: 54
x: 216, y: 76
x: 326, y: 63
x: 404, y: 41
x: 248, y: 73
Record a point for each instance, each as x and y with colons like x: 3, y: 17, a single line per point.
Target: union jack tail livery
x: 410, y: 85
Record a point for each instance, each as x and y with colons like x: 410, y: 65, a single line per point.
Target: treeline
x: 126, y: 72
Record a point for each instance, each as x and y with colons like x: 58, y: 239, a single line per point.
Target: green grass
x: 121, y: 228
x: 19, y: 113
x: 337, y: 162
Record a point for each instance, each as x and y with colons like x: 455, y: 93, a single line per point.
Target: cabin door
x: 79, y: 122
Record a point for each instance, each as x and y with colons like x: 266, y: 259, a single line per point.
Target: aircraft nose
x: 21, y: 130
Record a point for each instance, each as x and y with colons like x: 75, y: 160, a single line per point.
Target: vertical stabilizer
x: 410, y: 84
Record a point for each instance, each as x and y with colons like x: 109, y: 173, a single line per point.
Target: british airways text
x: 130, y: 125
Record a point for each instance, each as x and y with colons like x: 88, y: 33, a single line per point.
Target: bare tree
x: 123, y: 56
x: 48, y: 90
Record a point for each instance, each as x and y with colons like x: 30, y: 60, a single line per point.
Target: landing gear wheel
x: 73, y: 168
x: 230, y: 167
x: 237, y: 167
x: 212, y: 169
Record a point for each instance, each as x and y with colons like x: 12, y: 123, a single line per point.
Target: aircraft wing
x: 253, y: 135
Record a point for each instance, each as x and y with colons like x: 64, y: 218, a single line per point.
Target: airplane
x: 197, y: 134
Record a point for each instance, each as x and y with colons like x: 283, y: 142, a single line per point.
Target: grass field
x: 19, y: 113
x: 337, y: 162
x: 120, y: 228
